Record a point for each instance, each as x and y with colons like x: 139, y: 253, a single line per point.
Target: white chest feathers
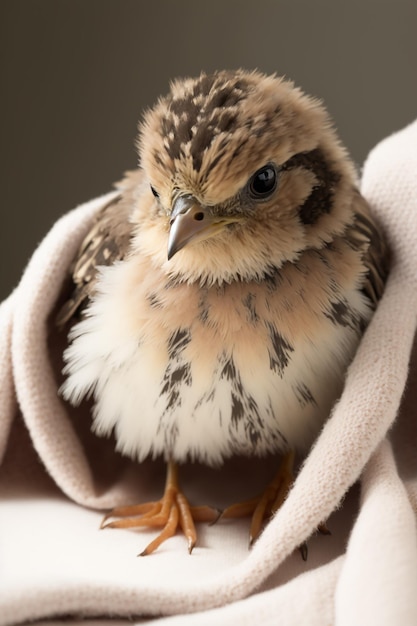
x: 204, y: 373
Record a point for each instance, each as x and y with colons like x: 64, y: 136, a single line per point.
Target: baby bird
x: 220, y: 297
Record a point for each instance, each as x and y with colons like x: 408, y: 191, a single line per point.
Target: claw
x: 168, y: 531
x: 323, y: 530
x: 304, y: 551
x: 171, y: 511
x: 264, y: 506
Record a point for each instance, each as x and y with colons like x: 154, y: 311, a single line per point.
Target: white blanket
x: 55, y: 476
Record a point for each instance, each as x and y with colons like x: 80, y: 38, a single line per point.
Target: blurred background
x: 76, y: 75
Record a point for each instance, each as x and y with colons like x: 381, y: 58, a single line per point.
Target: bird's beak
x: 191, y: 222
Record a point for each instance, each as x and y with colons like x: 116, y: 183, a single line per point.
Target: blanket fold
x: 52, y: 552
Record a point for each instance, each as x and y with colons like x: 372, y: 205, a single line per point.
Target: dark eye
x: 263, y: 183
x: 155, y: 193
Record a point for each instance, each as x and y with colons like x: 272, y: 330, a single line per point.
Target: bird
x: 220, y: 296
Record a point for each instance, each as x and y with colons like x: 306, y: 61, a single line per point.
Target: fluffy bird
x: 220, y: 296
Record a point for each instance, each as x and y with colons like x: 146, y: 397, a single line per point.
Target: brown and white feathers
x: 225, y: 290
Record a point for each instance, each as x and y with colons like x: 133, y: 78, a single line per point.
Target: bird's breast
x: 187, y: 371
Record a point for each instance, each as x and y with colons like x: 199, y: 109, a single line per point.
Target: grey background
x: 76, y: 74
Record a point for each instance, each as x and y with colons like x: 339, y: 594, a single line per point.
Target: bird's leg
x: 172, y: 510
x: 266, y: 504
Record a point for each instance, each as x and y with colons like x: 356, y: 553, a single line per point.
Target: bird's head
x: 243, y: 172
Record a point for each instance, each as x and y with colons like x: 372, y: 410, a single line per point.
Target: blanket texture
x: 56, y: 477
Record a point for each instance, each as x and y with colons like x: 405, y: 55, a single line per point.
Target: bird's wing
x: 107, y: 241
x: 366, y: 235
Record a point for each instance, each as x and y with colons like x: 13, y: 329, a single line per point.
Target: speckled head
x: 264, y: 117
x: 210, y: 135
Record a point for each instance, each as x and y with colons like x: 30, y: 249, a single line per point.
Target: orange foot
x: 264, y: 506
x: 169, y: 512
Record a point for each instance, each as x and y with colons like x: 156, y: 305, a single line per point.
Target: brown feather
x: 366, y: 235
x: 108, y: 241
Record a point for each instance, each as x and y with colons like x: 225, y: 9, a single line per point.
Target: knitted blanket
x: 56, y: 477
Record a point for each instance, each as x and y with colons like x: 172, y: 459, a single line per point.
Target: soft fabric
x: 56, y: 477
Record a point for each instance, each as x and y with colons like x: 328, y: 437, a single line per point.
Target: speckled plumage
x: 239, y: 343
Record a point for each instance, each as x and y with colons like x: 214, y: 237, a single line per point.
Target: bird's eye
x: 155, y: 193
x: 263, y: 183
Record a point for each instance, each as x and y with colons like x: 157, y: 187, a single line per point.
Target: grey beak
x: 189, y: 221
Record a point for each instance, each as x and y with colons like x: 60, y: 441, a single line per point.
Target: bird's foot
x: 171, y: 511
x: 265, y: 505
x: 303, y: 548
